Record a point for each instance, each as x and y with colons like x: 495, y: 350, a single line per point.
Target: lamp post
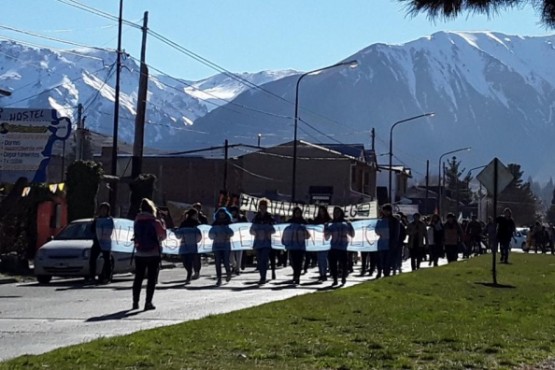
x: 5, y: 92
x: 439, y: 174
x: 391, y: 147
x: 352, y: 64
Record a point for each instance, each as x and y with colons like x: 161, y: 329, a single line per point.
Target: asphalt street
x: 39, y: 318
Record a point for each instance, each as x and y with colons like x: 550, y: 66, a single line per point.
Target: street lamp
x: 352, y: 64
x: 439, y: 174
x: 391, y: 146
x: 5, y: 92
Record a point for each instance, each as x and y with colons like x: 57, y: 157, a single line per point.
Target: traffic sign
x: 487, y: 176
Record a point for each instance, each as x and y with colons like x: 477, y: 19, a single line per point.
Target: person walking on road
x: 435, y: 239
x: 102, y: 227
x: 149, y: 232
x: 197, y: 264
x: 236, y: 257
x: 505, y: 232
x: 262, y: 229
x: 322, y: 218
x: 221, y: 234
x: 294, y: 239
x: 190, y: 236
x: 339, y: 231
x: 388, y: 231
x: 418, y: 241
x: 453, y: 234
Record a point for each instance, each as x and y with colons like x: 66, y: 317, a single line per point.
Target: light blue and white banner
x: 365, y: 239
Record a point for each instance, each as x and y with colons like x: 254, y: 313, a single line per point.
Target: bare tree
x: 453, y: 8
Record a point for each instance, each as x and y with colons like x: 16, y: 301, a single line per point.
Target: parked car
x: 68, y: 253
x: 519, y: 240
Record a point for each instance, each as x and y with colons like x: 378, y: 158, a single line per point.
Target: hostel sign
x: 27, y: 137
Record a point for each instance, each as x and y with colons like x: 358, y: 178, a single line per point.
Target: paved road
x: 35, y: 319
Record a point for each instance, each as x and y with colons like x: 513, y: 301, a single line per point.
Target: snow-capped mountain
x: 490, y: 91
x: 493, y: 92
x: 44, y: 78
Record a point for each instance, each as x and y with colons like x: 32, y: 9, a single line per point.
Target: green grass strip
x: 440, y: 318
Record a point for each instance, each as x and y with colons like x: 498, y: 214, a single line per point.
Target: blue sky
x: 248, y: 35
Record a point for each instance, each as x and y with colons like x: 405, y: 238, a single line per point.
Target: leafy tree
x: 83, y: 178
x: 519, y: 197
x: 457, y: 185
x: 453, y: 8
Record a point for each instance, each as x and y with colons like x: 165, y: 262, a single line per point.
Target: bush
x: 83, y: 178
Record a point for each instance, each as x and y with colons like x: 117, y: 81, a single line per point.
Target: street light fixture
x: 350, y: 63
x: 430, y: 114
x: 439, y: 174
x: 5, y: 92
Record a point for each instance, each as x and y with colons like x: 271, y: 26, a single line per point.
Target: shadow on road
x: 114, y: 316
x: 493, y: 285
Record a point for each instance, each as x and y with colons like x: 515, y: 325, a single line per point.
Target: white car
x: 68, y: 253
x: 519, y: 239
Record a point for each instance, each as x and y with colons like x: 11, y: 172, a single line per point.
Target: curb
x: 8, y: 281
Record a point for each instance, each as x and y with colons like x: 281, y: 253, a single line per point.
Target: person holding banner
x: 221, y: 234
x: 322, y: 218
x: 339, y: 231
x: 102, y: 227
x: 262, y: 229
x: 294, y: 239
x: 236, y: 257
x: 388, y: 230
x: 190, y: 236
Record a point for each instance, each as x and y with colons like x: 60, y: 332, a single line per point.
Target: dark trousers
x: 310, y: 260
x: 416, y: 254
x: 436, y: 251
x: 395, y: 259
x: 150, y: 266
x: 452, y: 252
x: 364, y: 257
x: 384, y: 263
x: 373, y: 257
x: 273, y: 255
x: 296, y: 259
x: 197, y: 263
x: 505, y: 247
x: 338, y: 258
x: 222, y: 257
x: 262, y: 256
x: 107, y: 266
x: 188, y: 262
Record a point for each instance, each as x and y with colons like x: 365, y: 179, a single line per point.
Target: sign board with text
x: 27, y: 137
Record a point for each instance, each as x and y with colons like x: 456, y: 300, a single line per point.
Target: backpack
x: 146, y: 238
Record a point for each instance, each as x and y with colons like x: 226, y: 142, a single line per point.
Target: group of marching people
x: 394, y: 233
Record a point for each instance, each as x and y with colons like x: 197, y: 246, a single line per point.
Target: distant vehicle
x: 68, y: 253
x: 519, y: 240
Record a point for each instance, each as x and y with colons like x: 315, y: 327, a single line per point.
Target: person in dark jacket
x: 435, y: 238
x: 339, y: 231
x: 197, y: 264
x: 262, y: 229
x: 505, y: 232
x: 102, y: 228
x: 387, y: 228
x: 322, y: 218
x: 452, y: 233
x: 149, y: 232
x: 190, y: 236
x: 221, y: 234
x: 294, y: 239
x: 418, y: 241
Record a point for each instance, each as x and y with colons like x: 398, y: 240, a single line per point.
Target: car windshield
x: 76, y: 230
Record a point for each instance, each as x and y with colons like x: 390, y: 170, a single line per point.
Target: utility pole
x: 226, y: 149
x: 114, y: 184
x: 79, y: 134
x: 373, y: 137
x: 140, y: 118
x: 427, y: 185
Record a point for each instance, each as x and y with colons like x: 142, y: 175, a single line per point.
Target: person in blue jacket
x: 262, y: 229
x: 190, y: 236
x: 339, y: 231
x: 221, y: 234
x: 294, y: 239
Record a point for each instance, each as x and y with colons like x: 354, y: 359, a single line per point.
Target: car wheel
x: 44, y: 279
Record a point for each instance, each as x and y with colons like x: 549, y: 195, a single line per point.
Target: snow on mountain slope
x: 491, y: 91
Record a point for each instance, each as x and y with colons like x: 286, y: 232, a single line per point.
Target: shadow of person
x: 113, y: 316
x: 496, y: 285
